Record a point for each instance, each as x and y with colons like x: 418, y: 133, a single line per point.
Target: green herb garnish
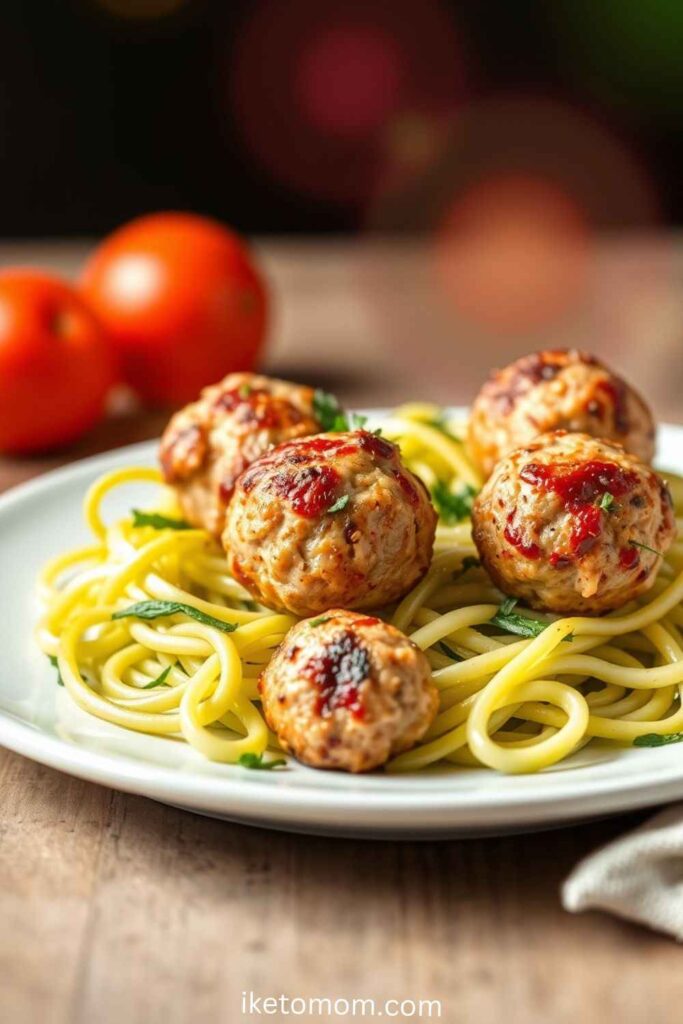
x: 55, y: 664
x: 607, y: 503
x: 319, y: 621
x: 646, y: 547
x: 653, y: 739
x: 440, y: 423
x: 468, y: 562
x: 332, y: 417
x: 453, y: 506
x: 159, y: 681
x: 339, y: 504
x: 244, y: 390
x: 512, y: 622
x: 448, y: 651
x: 329, y: 412
x: 256, y: 761
x: 159, y: 609
x: 158, y: 521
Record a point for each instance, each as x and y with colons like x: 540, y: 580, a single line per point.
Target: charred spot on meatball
x: 335, y: 519
x: 526, y: 372
x: 573, y: 524
x: 347, y: 691
x: 211, y: 442
x: 337, y: 670
x: 551, y: 390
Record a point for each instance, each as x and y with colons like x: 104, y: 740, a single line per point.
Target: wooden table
x: 114, y: 908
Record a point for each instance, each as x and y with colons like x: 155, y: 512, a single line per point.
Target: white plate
x: 38, y: 720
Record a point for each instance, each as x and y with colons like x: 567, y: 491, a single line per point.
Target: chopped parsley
x: 512, y: 622
x: 607, y: 503
x: 158, y: 521
x: 331, y: 415
x: 159, y: 609
x: 653, y: 739
x: 244, y: 390
x: 319, y: 621
x: 256, y: 761
x: 329, y: 412
x: 440, y: 423
x: 453, y: 506
x: 339, y: 504
x: 448, y: 651
x: 468, y: 562
x: 55, y: 664
x: 646, y: 547
x: 159, y: 681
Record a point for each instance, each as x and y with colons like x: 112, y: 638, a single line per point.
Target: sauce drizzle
x: 258, y: 406
x: 310, y: 491
x: 513, y: 536
x: 337, y: 672
x: 580, y: 488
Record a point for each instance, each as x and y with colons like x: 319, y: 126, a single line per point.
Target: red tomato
x: 56, y: 367
x: 181, y: 301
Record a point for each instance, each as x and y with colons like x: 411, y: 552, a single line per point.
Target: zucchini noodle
x: 509, y: 703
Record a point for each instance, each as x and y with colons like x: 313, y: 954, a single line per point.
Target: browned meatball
x: 210, y: 442
x: 572, y: 524
x: 347, y: 691
x: 333, y: 520
x: 556, y: 390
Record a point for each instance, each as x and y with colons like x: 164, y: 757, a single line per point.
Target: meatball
x: 556, y: 390
x: 573, y: 524
x: 347, y: 691
x: 330, y: 520
x: 210, y: 442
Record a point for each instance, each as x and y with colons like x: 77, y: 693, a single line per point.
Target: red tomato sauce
x: 337, y: 672
x: 513, y: 536
x: 628, y: 558
x: 257, y: 406
x: 310, y: 491
x: 580, y: 489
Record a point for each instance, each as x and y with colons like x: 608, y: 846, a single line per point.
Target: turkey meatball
x: 211, y: 441
x: 556, y: 390
x: 347, y: 691
x: 573, y: 524
x: 333, y: 520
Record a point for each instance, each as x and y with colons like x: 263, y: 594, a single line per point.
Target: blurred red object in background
x: 512, y: 252
x: 182, y: 302
x: 56, y: 367
x: 340, y: 82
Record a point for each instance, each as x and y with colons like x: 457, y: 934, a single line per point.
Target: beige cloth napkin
x: 639, y: 876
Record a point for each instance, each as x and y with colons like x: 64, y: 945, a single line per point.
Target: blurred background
x: 431, y: 188
x: 334, y: 116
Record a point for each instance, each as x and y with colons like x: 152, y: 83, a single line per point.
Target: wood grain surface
x: 114, y: 908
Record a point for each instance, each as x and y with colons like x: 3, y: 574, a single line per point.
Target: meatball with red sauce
x: 332, y: 520
x: 573, y: 524
x: 556, y: 390
x: 347, y: 691
x: 210, y: 442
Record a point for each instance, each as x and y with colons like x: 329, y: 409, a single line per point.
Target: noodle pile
x: 150, y: 632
